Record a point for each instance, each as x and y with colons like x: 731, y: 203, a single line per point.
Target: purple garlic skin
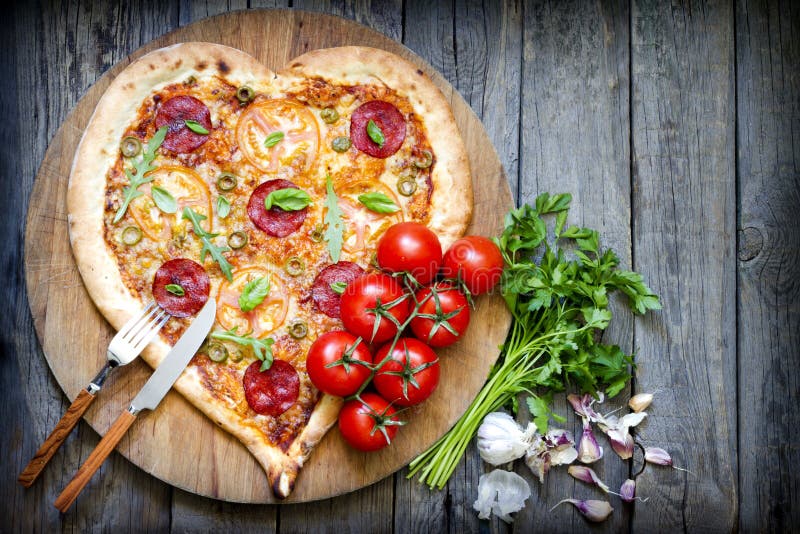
x: 586, y: 474
x: 657, y: 455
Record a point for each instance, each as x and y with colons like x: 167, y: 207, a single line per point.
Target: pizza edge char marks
x: 169, y: 86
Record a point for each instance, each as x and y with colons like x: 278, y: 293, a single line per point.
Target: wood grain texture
x: 684, y: 242
x: 768, y: 126
x: 93, y: 462
x: 574, y: 126
x: 56, y: 438
x: 161, y: 445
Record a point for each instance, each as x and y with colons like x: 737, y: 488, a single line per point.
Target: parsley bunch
x: 557, y: 289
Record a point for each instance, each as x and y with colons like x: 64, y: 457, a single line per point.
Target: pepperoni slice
x: 191, y: 277
x: 274, y: 391
x: 274, y: 221
x: 174, y: 113
x: 388, y: 118
x: 326, y: 299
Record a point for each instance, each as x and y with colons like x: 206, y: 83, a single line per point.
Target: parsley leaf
x: 334, y: 226
x: 140, y: 167
x: 208, y: 245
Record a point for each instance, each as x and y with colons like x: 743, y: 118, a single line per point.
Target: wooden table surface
x: 676, y: 127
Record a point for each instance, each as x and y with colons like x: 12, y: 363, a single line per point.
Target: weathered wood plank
x: 684, y: 230
x: 60, y: 51
x: 477, y: 47
x: 768, y: 90
x: 575, y: 125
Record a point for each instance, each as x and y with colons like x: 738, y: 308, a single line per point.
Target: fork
x: 129, y: 342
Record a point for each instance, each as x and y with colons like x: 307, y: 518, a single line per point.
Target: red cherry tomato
x: 360, y: 302
x: 335, y: 363
x: 368, y: 424
x: 410, y: 247
x: 410, y: 376
x: 479, y: 261
x: 447, y: 312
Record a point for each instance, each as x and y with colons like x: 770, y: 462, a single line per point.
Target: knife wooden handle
x: 95, y: 460
x: 56, y: 438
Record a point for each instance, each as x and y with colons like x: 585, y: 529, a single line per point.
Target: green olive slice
x: 237, y: 239
x: 298, y: 329
x: 131, y: 235
x: 227, y: 182
x: 216, y: 351
x: 245, y: 94
x: 236, y: 355
x: 318, y: 234
x: 295, y: 266
x: 406, y: 185
x: 130, y: 146
x: 424, y: 160
x: 341, y: 144
x: 329, y: 115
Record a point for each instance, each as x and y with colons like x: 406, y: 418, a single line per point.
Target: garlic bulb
x: 502, y: 493
x: 502, y: 440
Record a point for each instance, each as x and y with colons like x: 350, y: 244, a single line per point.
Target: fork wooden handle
x: 56, y: 438
x: 95, y: 460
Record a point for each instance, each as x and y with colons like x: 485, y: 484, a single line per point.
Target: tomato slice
x: 264, y: 318
x: 298, y: 147
x: 186, y: 186
x: 362, y: 226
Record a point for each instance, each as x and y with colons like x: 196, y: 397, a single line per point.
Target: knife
x: 156, y: 387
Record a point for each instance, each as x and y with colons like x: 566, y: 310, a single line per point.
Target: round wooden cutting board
x: 177, y: 443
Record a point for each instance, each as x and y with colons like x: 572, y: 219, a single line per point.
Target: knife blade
x: 148, y: 398
x: 176, y: 361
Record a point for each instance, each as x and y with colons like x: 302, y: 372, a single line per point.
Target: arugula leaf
x: 254, y: 293
x: 287, y: 199
x: 273, y: 139
x: 223, y: 207
x: 334, y: 226
x: 196, y: 127
x: 140, y: 168
x: 164, y: 199
x: 375, y: 133
x: 208, y: 245
x: 262, y: 348
x: 378, y: 202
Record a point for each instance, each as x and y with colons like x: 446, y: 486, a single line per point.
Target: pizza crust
x: 451, y: 201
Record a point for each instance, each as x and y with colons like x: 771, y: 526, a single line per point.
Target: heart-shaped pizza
x: 202, y: 174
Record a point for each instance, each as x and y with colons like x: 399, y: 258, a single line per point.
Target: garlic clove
x: 640, y: 401
x: 658, y: 456
x: 627, y: 491
x: 589, y: 451
x: 621, y: 442
x: 595, y: 511
x: 587, y: 474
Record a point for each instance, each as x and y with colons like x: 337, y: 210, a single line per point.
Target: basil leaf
x: 334, y: 226
x: 338, y: 287
x: 223, y: 207
x: 374, y: 132
x: 288, y: 199
x: 175, y: 289
x: 378, y: 202
x: 273, y: 139
x: 254, y: 293
x: 196, y: 127
x: 163, y: 199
